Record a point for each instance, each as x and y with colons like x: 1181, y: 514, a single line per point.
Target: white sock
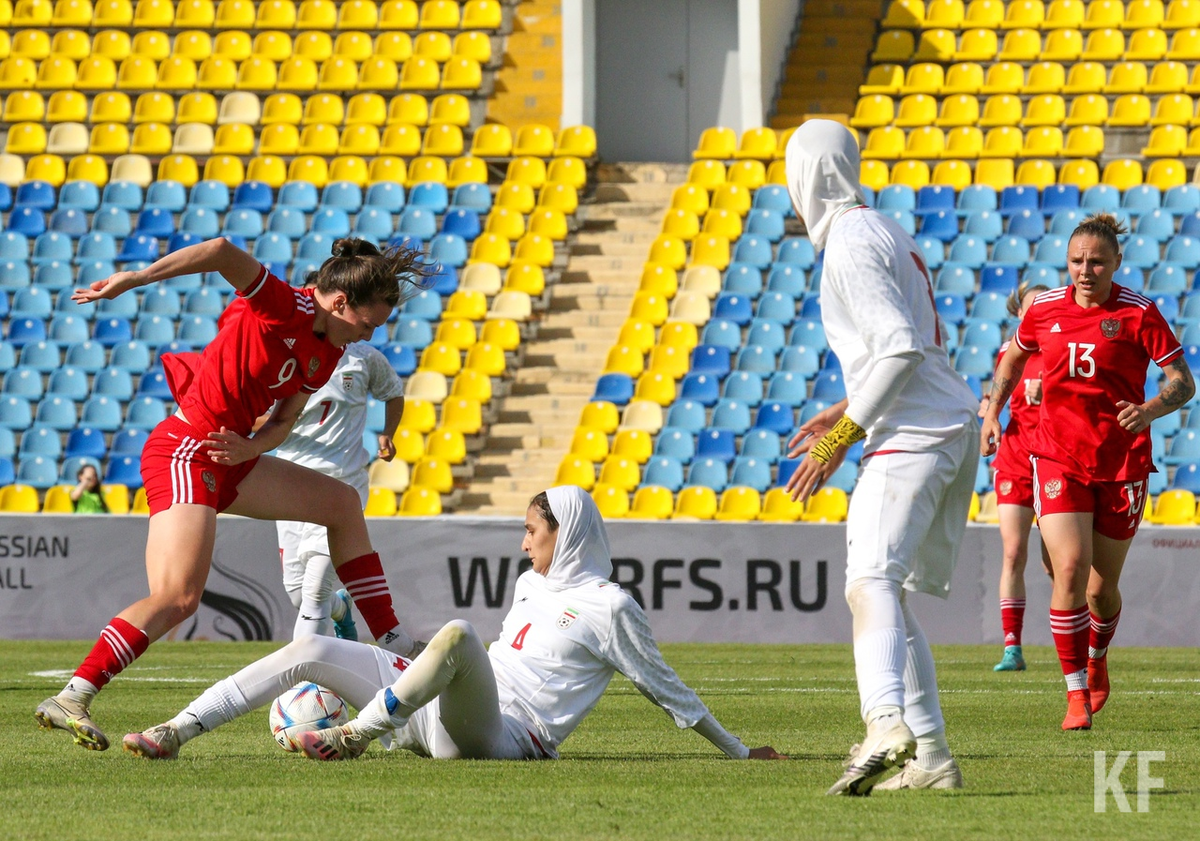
x: 384, y: 713
x: 313, y: 619
x: 397, y: 641
x: 879, y: 643
x: 922, y: 708
x: 932, y: 750
x: 219, y: 704
x: 78, y: 689
x: 336, y: 608
x: 1097, y: 653
x: 1077, y: 680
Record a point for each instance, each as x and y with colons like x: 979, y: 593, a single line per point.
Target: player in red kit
x: 1091, y: 448
x: 1014, y: 489
x: 276, y: 346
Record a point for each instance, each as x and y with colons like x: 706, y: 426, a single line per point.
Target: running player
x: 909, y: 508
x: 1091, y: 448
x: 328, y: 438
x: 279, y: 344
x: 1014, y: 491
x: 568, y: 631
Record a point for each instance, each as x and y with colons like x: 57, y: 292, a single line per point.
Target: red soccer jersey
x: 1092, y: 358
x: 266, y: 350
x: 1013, y: 454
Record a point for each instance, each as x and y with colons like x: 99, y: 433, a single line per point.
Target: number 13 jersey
x: 1092, y: 358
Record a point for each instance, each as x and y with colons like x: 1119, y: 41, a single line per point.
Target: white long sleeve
x: 730, y: 745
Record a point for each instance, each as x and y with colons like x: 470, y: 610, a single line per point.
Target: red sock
x: 1070, y: 630
x: 1012, y: 620
x: 368, y: 587
x: 1101, y: 634
x: 119, y: 645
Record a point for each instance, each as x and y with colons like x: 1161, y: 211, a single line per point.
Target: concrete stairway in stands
x: 587, y: 307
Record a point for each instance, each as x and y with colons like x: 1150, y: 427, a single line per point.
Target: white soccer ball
x: 305, y: 707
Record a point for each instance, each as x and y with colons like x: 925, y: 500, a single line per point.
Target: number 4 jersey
x: 1092, y: 358
x: 265, y: 351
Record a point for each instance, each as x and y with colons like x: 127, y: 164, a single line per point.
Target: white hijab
x: 581, y: 553
x: 822, y: 173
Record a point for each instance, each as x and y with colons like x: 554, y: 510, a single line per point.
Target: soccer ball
x: 305, y: 707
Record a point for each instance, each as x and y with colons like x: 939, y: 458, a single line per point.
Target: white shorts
x: 299, y: 541
x: 908, y: 514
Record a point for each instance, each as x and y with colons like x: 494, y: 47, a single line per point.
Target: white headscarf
x: 581, y: 553
x: 822, y: 175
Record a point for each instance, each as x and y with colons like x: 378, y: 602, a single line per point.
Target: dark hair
x: 1103, y: 226
x: 542, y: 503
x: 366, y: 275
x: 1018, y: 295
x: 85, y: 466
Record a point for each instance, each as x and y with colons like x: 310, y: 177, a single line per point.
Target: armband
x: 845, y: 432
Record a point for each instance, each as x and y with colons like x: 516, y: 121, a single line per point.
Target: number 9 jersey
x: 1092, y: 358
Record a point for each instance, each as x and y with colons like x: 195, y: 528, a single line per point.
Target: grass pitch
x: 627, y: 772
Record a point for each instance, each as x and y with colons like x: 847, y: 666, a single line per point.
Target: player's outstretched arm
x: 215, y: 255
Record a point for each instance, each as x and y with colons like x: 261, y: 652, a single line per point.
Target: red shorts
x: 1116, y: 506
x: 175, y: 469
x: 1014, y: 488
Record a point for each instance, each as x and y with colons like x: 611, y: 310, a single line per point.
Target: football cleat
x: 344, y: 628
x: 912, y: 775
x: 159, y: 742
x: 333, y: 743
x: 1079, y: 711
x: 1098, y: 682
x: 1012, y: 661
x: 889, y: 742
x: 61, y: 713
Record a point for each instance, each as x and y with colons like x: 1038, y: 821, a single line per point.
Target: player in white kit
x: 328, y: 437
x: 909, y: 509
x: 568, y: 632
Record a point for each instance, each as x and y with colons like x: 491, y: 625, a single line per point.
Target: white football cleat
x: 947, y: 775
x: 333, y: 743
x: 889, y: 742
x: 59, y: 712
x: 159, y: 742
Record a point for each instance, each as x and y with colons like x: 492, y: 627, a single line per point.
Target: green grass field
x: 627, y: 772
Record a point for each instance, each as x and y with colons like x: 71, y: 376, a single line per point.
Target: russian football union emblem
x: 209, y: 480
x: 1110, y: 327
x: 313, y: 365
x: 347, y: 381
x: 567, y: 619
x: 1005, y: 488
x: 1052, y: 488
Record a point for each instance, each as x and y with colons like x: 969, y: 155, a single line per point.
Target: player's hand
x: 814, y: 429
x: 984, y: 402
x: 765, y: 752
x: 989, y: 436
x: 110, y: 287
x: 227, y: 447
x: 1132, y: 417
x: 1033, y: 392
x: 387, y: 448
x: 811, y: 475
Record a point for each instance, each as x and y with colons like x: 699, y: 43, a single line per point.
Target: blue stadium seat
x: 969, y: 251
x: 974, y: 361
x: 315, y: 246
x: 13, y: 246
x: 717, y: 443
x: 1000, y: 279
x: 1185, y: 447
x: 845, y: 477
x: 1141, y: 198
x: 110, y: 219
x: 124, y: 470
x: 138, y: 247
x: 418, y: 222
x: 1187, y: 477
x: 788, y: 387
x: 197, y: 330
x: 14, y: 274
x: 145, y: 413
x: 473, y: 196
x: 88, y: 356
x: 23, y: 382
x: 1189, y: 318
x: 197, y: 223
x: 664, y: 471
x: 401, y: 357
x: 984, y: 334
x: 31, y: 302
x: 160, y: 300
x: 709, y: 472
x: 1058, y: 197
x: 1167, y: 279
x: 687, y: 414
x: 387, y: 195
x: 986, y: 224
x: 751, y: 472
x: 762, y: 443
x: 69, y: 382
x: 940, y: 224
x: 1039, y: 274
x: 733, y: 307
x: 450, y: 251
x: 1101, y: 197
x: 68, y: 329
x: 776, y: 306
x: 1184, y: 250
x: 786, y: 467
x: 935, y: 198
x: 978, y: 197
x: 1020, y: 197
x: 273, y: 248
x: 15, y: 412
x: 425, y: 304
x: 753, y: 250
x: 731, y: 415
x: 70, y: 221
x: 42, y: 357
x: 299, y: 195
x: 86, y: 441
x: 463, y: 222
x: 1181, y: 200
x: 213, y: 195
x: 112, y: 331
x: 1027, y: 224
x: 896, y: 197
x: 615, y: 388
x: 8, y: 446
x: 21, y: 331
x: 1011, y: 250
x: 253, y: 195
x: 720, y: 332
x: 787, y: 279
x: 57, y: 412
x: 68, y: 472
x: 828, y: 388
x: 57, y: 274
x: 301, y: 269
x: 1156, y: 224
x: 245, y: 222
x: 169, y: 196
x: 797, y: 251
x: 770, y: 336
x: 1168, y: 305
x: 37, y: 472
x: 711, y: 359
x: 344, y: 194
x: 983, y: 477
x: 904, y: 218
x: 742, y: 279
x: 116, y: 383
x: 951, y: 308
x: 430, y: 195
x: 40, y: 440
x: 701, y: 388
x: 413, y: 332
x: 757, y: 359
x: 36, y: 194
x: 373, y: 223
x: 129, y: 442
x: 773, y: 197
x: 81, y: 195
x: 746, y: 386
x: 52, y: 246
x: 152, y: 330
x: 123, y: 194
x: 8, y: 473
x: 1064, y: 222
x: 204, y: 301
x: 765, y: 223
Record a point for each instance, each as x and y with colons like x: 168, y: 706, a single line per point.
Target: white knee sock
x: 219, y: 704
x: 922, y: 710
x: 317, y: 602
x: 879, y: 643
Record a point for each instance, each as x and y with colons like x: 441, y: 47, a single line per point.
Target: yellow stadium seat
x: 317, y: 14
x: 1104, y: 45
x: 732, y: 198
x: 420, y: 502
x: 1167, y: 77
x: 88, y: 168
x: 696, y: 502
x: 1064, y: 45
x: 778, y: 507
x: 419, y: 73
x: 442, y: 139
x: 319, y: 139
x: 534, y: 139
x: 894, y: 45
x: 112, y: 44
x: 1128, y: 77
x: 536, y: 249
x: 140, y: 506
x: 1083, y: 174
x: 195, y: 14
x: 1003, y: 77
x: 359, y: 140
x: 278, y: 109
x: 352, y: 168
x: 400, y: 139
x: 298, y: 73
x: 357, y: 14
x: 956, y: 174
x: 381, y: 502
x: 466, y: 304
x: 758, y: 144
x: 481, y: 277
x: 96, y: 73
x: 487, y: 358
x: 154, y: 14
x: 870, y: 112
x: 620, y: 472
x: 1104, y: 14
x: 924, y: 78
x: 152, y: 45
x: 681, y: 223
x: 960, y: 110
x: 451, y: 108
x: 526, y: 170
x: 393, y: 475
x: 709, y: 174
x: 873, y: 174
x: 463, y: 414
x: 26, y: 139
x: 987, y: 512
x: 491, y: 248
x: 72, y: 43
x: 217, y: 72
x: 155, y: 139
x: 442, y: 358
x: 466, y: 169
x: 473, y: 45
x: 1143, y: 14
x: 702, y: 279
x: 327, y: 108
x: 637, y: 331
x: 671, y: 360
x: 435, y: 46
x: 936, y: 45
x: 655, y: 386
x: 883, y: 143
x: 112, y: 13
x: 397, y: 46
x: 439, y: 14
x: 644, y: 415
x: 1085, y: 77
x: 1166, y: 174
x: 275, y: 14
x: 1002, y: 109
x: 635, y: 444
x: 1045, y: 77
x: 366, y: 109
x: 828, y: 505
x: 425, y: 168
x: 228, y: 169
x: 1036, y: 173
x: 576, y: 141
x: 18, y: 499
x: 1021, y: 45
x: 1123, y: 174
x: 575, y: 470
x: 519, y: 197
x: 561, y: 197
x: 511, y: 305
x: 24, y: 106
x: 279, y: 139
x: 964, y: 142
x: 691, y: 306
x: 492, y: 140
x: 1064, y: 14
x: 471, y: 383
x: 481, y: 14
x: 181, y: 168
x: 1182, y: 14
x: 1043, y: 142
x: 1045, y: 110
x: 690, y: 197
x: 176, y: 73
x: 55, y: 72
x: 12, y: 170
x: 338, y: 74
x: 977, y: 45
x: 30, y: 43
x: 885, y: 79
x: 1174, y: 507
x: 997, y: 174
x: 710, y: 250
x: 914, y: 174
x: 235, y: 14
x: 1172, y: 109
x: 602, y: 415
x: 49, y: 168
x: 257, y: 74
x: 135, y: 168
x: 1084, y: 141
x: 1087, y: 110
x: 612, y: 502
x: 419, y: 416
x: 739, y: 504
x: 925, y: 143
x: 234, y: 45
x: 1023, y: 14
x: 1165, y: 141
x: 1147, y: 44
x: 589, y: 444
x: 523, y: 276
x: 71, y: 13
x: 398, y: 14
x: 651, y: 502
x: 276, y: 46
x: 945, y: 14
x: 716, y: 143
x: 270, y: 169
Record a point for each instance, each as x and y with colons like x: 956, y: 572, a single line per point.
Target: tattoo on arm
x: 1179, y: 389
x: 1002, y: 389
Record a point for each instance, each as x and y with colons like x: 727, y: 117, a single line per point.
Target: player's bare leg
x: 1068, y: 538
x: 315, y: 498
x: 178, y: 555
x: 1104, y: 603
x: 1015, y: 522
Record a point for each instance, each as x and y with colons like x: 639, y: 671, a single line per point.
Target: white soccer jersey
x: 558, y: 650
x: 328, y: 436
x: 877, y: 301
